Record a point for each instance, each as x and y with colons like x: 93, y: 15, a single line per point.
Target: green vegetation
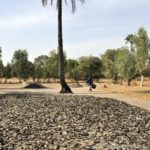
x: 121, y: 64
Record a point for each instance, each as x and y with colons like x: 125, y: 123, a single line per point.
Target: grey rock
x: 40, y: 121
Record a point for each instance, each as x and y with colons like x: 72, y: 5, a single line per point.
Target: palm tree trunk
x: 64, y: 86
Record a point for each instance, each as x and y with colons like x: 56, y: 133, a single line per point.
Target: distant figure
x: 89, y: 82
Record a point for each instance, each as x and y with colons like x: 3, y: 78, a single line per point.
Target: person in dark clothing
x: 89, y: 82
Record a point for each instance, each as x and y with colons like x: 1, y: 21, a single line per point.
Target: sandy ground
x: 133, y: 95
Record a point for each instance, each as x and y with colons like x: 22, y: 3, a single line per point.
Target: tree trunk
x: 129, y: 82
x: 5, y: 80
x: 64, y: 86
x: 142, y: 80
x: 19, y: 80
x: 33, y: 78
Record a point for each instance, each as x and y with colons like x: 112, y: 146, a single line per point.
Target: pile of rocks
x: 71, y: 122
x: 76, y: 85
x: 34, y: 86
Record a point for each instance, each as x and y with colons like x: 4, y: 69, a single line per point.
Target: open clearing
x: 133, y: 95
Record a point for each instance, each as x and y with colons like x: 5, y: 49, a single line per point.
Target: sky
x: 95, y: 26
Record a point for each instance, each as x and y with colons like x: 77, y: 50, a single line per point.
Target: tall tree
x: 20, y: 64
x: 7, y: 72
x: 1, y: 70
x: 90, y: 66
x: 64, y: 86
x: 109, y: 66
x: 52, y: 64
x: 125, y: 64
x: 142, y: 45
x: 1, y: 65
x: 39, y: 67
x: 72, y: 69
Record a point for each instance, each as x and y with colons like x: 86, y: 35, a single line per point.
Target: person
x: 89, y: 82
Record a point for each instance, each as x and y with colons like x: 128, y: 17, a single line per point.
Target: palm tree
x: 64, y: 86
x: 130, y: 39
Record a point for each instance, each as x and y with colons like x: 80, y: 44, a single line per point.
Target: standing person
x: 89, y: 82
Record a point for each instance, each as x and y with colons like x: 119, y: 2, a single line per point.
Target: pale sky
x: 95, y: 27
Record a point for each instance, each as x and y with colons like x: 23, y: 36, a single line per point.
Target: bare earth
x: 133, y: 95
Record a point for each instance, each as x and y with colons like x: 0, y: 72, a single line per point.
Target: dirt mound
x: 76, y: 85
x: 34, y: 86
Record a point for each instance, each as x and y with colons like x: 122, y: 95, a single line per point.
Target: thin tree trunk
x: 64, y: 86
x: 19, y: 80
x: 5, y: 80
x: 142, y: 80
x: 129, y: 82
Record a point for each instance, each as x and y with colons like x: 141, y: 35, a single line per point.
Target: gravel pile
x: 71, y: 122
x: 34, y: 86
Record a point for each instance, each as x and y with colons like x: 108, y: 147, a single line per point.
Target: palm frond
x: 66, y: 2
x: 73, y: 2
x: 51, y: 2
x: 44, y: 2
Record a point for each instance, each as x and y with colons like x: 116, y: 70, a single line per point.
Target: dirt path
x: 140, y: 100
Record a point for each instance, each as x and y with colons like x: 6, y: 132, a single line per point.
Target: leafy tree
x: 39, y: 67
x: 30, y: 69
x: 125, y: 64
x: 20, y: 64
x: 1, y: 64
x: 142, y: 45
x: 90, y: 66
x: 7, y: 72
x: 109, y: 66
x: 131, y: 39
x: 1, y: 69
x: 146, y: 71
x: 72, y: 69
x: 65, y: 87
x: 52, y: 64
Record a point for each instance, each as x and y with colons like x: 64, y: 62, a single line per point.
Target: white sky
x: 95, y: 27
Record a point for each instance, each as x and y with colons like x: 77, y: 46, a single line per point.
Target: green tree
x: 39, y: 67
x: 52, y: 64
x: 142, y: 45
x: 20, y: 64
x: 125, y: 64
x: 64, y: 86
x: 1, y: 69
x: 146, y: 71
x: 7, y: 72
x: 109, y: 66
x: 30, y: 69
x: 90, y: 66
x: 1, y: 65
x: 72, y: 69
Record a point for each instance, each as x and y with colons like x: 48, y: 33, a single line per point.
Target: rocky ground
x: 71, y: 122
